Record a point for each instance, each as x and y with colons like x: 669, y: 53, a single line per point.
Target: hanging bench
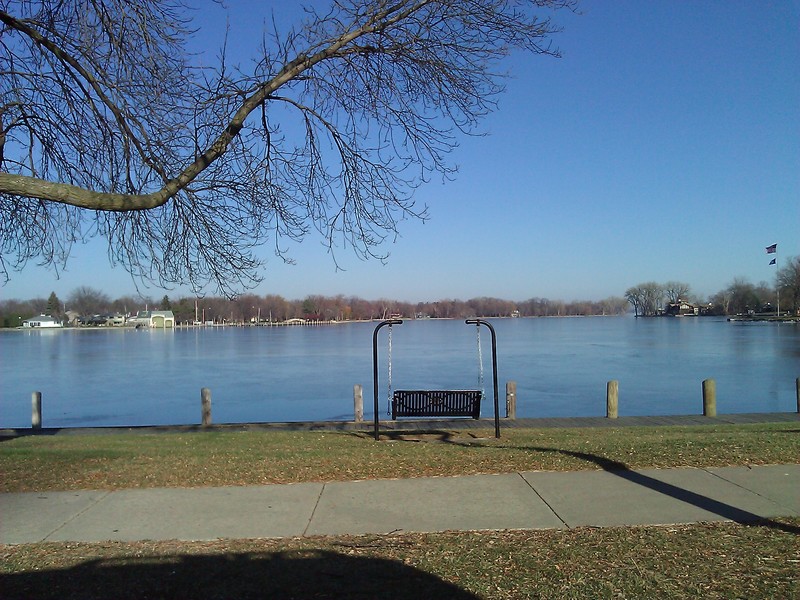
x: 436, y: 403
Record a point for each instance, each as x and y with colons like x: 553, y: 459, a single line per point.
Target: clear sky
x: 663, y: 145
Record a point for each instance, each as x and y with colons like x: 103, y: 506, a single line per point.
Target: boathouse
x: 163, y: 319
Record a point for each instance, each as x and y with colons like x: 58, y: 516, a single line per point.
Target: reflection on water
x: 561, y: 366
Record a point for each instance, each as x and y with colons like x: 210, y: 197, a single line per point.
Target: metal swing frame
x: 435, y: 403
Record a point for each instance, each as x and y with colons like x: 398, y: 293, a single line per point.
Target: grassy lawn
x: 720, y: 560
x: 67, y: 462
x: 723, y: 560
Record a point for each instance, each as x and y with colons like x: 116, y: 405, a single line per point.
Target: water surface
x: 110, y: 377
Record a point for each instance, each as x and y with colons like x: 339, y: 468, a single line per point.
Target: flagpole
x: 777, y: 283
x: 773, y: 249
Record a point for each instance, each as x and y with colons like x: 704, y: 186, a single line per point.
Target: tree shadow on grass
x: 275, y: 575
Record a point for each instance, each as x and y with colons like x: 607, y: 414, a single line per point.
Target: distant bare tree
x: 676, y: 291
x: 275, y: 307
x: 788, y: 282
x: 88, y: 301
x: 130, y: 304
x: 743, y: 296
x: 107, y: 128
x: 646, y: 298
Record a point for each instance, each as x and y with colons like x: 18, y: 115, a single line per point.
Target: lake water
x: 108, y: 377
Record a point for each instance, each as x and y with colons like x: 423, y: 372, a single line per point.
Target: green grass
x: 67, y: 462
x: 723, y: 560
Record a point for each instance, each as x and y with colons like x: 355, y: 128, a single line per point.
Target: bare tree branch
x: 109, y: 129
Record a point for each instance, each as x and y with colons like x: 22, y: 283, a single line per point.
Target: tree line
x: 250, y: 308
x: 649, y: 298
x: 739, y: 297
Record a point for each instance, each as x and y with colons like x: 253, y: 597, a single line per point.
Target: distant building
x: 163, y: 319
x: 116, y: 320
x: 42, y: 322
x: 682, y: 309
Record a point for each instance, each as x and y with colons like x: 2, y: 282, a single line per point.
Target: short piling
x: 612, y: 399
x: 358, y: 403
x: 36, y: 410
x: 709, y: 398
x: 511, y: 400
x: 205, y: 400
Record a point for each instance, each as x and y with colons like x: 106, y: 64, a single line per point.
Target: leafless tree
x: 646, y: 298
x: 88, y: 301
x: 742, y: 296
x: 788, y: 282
x: 108, y: 128
x: 676, y: 291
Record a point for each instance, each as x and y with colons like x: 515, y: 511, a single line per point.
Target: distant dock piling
x: 511, y: 400
x: 358, y: 402
x: 709, y: 398
x: 36, y: 410
x: 612, y: 399
x: 205, y: 401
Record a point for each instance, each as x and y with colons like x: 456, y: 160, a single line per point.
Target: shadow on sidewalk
x: 295, y: 574
x: 726, y: 511
x: 620, y: 469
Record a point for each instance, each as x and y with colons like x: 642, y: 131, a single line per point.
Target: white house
x: 42, y: 321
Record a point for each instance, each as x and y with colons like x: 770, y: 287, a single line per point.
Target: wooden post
x: 358, y: 402
x: 797, y: 385
x: 36, y: 410
x: 511, y: 399
x: 205, y: 399
x: 709, y: 398
x: 612, y: 399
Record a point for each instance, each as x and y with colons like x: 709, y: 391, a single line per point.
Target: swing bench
x: 434, y: 403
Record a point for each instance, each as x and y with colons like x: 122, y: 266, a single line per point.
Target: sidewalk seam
x: 747, y: 489
x: 79, y: 514
x: 546, y: 503
x: 314, y: 510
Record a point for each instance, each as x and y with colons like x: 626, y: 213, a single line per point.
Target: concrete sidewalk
x: 531, y: 500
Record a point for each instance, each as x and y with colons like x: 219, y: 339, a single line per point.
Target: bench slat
x: 436, y: 403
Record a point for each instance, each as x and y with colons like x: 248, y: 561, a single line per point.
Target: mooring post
x: 709, y: 398
x: 612, y: 399
x: 36, y: 410
x: 358, y: 402
x: 511, y: 399
x: 205, y: 399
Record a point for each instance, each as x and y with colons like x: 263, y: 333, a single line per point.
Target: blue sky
x: 664, y: 145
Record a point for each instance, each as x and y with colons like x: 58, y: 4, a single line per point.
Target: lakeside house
x: 42, y: 321
x: 681, y: 309
x: 163, y: 319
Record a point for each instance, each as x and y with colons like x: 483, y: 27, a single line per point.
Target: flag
x: 773, y: 261
x: 772, y: 249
